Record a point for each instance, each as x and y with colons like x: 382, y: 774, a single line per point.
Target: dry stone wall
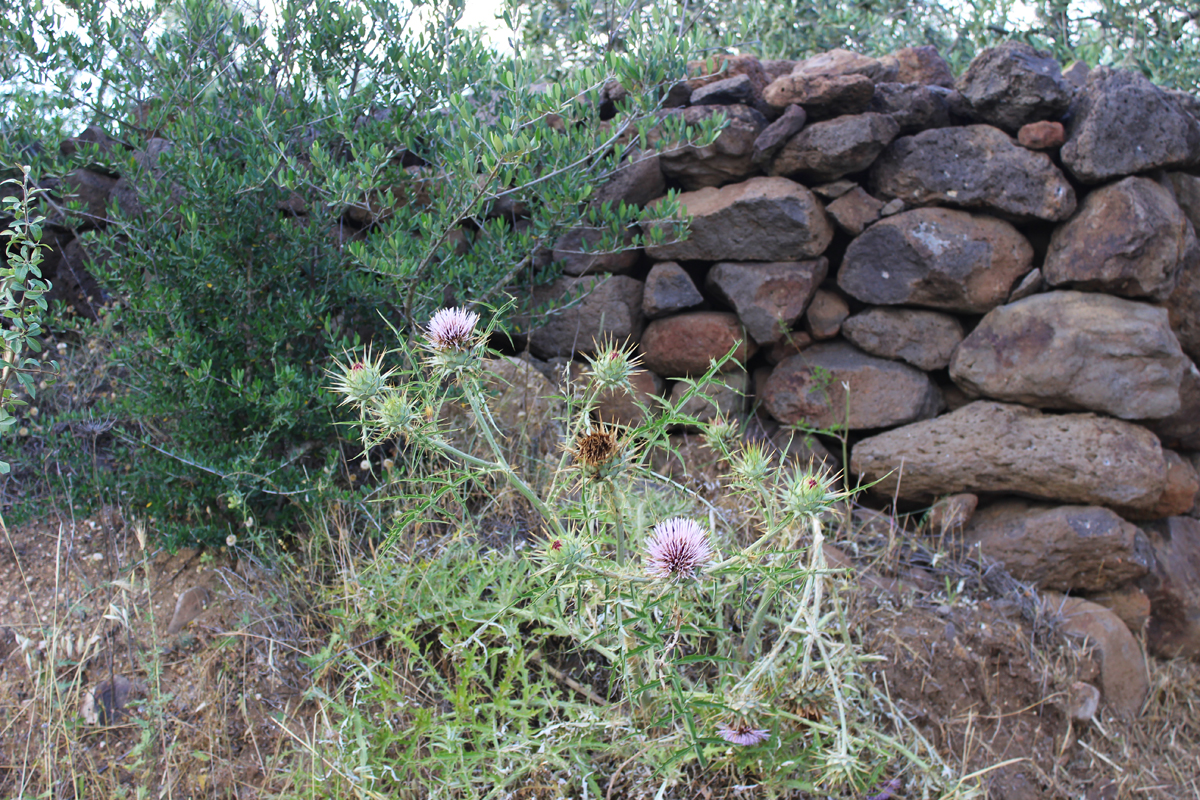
x: 998, y: 276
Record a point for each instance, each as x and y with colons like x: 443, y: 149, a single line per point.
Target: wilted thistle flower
x: 612, y: 367
x: 809, y: 493
x: 678, y: 549
x: 598, y: 452
x: 361, y: 380
x: 740, y: 733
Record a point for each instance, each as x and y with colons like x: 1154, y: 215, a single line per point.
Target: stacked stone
x: 1001, y: 270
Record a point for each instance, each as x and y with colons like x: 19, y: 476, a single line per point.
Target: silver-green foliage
x: 22, y: 304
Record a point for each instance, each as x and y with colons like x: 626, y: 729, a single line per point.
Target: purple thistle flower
x: 889, y: 788
x: 742, y: 734
x: 678, y: 549
x: 452, y: 329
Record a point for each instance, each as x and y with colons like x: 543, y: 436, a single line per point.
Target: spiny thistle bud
x: 396, y: 415
x: 612, y: 367
x: 599, y: 453
x: 361, y: 380
x: 679, y: 548
x: 722, y: 434
x: 809, y: 493
x: 752, y: 465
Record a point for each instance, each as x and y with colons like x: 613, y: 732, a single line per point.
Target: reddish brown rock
x: 1077, y: 351
x: 685, y: 344
x: 1123, y: 675
x: 855, y: 210
x: 825, y: 314
x: 630, y: 408
x: 995, y: 447
x: 1173, y: 586
x: 1121, y: 124
x: 762, y: 219
x: 669, y: 289
x: 923, y: 65
x: 1129, y: 238
x: 976, y: 166
x: 1129, y: 603
x: 811, y: 388
x: 925, y: 339
x: 1179, y: 495
x: 1066, y: 548
x: 936, y: 257
x: 610, y: 308
x: 768, y: 297
x: 823, y: 96
x: 1042, y: 135
x: 1013, y: 84
x: 729, y: 158
x: 826, y: 151
x: 718, y: 68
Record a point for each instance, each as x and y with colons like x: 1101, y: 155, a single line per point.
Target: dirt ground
x: 209, y: 701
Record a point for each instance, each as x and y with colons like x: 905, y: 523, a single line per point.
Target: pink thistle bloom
x: 742, y: 734
x: 678, y: 549
x: 452, y: 329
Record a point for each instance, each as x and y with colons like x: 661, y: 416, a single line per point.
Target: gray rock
x: 768, y: 297
x: 936, y: 257
x: 1129, y: 238
x: 915, y: 107
x: 1173, y: 586
x: 729, y: 158
x: 762, y: 219
x: 1181, y: 430
x: 976, y: 166
x: 1064, y: 548
x: 811, y: 388
x: 925, y: 339
x: 1013, y: 84
x: 773, y: 137
x: 737, y: 90
x: 1120, y: 124
x: 1075, y: 350
x: 826, y: 151
x: 607, y: 307
x: 669, y: 289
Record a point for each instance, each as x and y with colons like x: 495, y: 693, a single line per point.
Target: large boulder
x: 1013, y: 84
x: 1129, y: 238
x: 768, y: 297
x: 762, y: 219
x: 976, y: 166
x: 996, y: 447
x: 925, y: 339
x: 1066, y: 548
x: 728, y: 158
x: 826, y: 151
x: 685, y: 344
x: 1121, y: 124
x: 812, y: 387
x: 1173, y: 586
x: 1077, y: 351
x: 936, y: 257
x: 608, y: 307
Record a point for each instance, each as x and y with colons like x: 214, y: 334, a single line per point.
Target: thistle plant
x: 718, y: 619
